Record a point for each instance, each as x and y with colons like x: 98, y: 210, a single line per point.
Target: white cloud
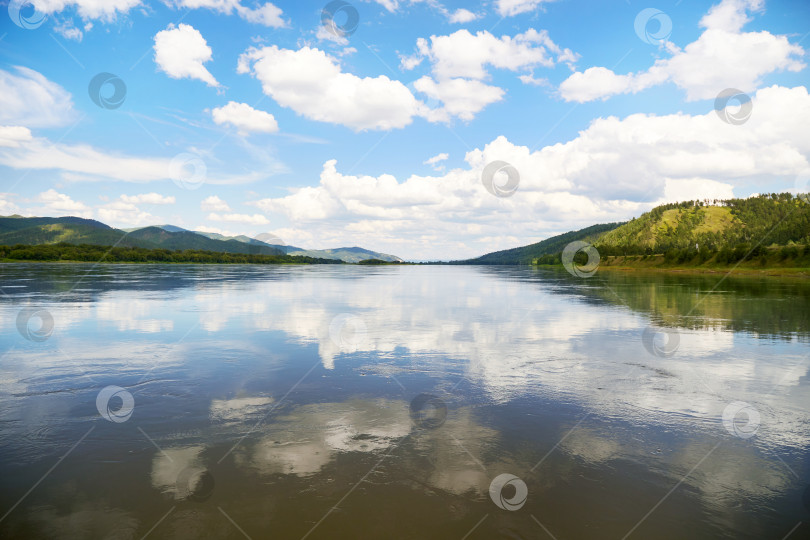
x: 214, y: 204
x: 7, y: 207
x: 181, y: 51
x: 267, y: 14
x: 148, y: 198
x: 311, y: 83
x: 255, y: 219
x: 13, y: 136
x: 29, y: 99
x: 121, y: 213
x: 55, y: 203
x: 106, y: 10
x: 460, y: 62
x: 462, y: 15
x: 722, y: 57
x: 613, y: 170
x: 68, y: 31
x: 436, y: 161
x: 462, y: 98
x: 245, y: 118
x: 84, y: 163
x: 437, y: 158
x: 508, y: 8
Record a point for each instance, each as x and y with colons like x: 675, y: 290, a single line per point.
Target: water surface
x: 278, y: 402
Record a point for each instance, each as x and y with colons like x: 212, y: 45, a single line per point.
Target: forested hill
x: 775, y: 219
x: 778, y: 219
x: 549, y: 246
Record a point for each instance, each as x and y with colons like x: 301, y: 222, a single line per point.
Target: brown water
x: 349, y: 402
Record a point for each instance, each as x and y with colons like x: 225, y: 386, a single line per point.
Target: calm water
x: 324, y: 402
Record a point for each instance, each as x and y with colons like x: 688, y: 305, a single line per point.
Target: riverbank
x: 657, y: 263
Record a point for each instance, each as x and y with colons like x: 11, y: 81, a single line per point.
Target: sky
x: 428, y: 129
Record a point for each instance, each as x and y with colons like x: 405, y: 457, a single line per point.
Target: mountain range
x: 75, y: 230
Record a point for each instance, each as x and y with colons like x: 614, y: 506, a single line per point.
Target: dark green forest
x: 94, y: 253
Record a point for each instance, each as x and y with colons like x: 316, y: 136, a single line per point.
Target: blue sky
x: 246, y: 117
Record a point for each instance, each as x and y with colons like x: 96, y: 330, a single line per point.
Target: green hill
x: 549, y: 246
x: 73, y: 230
x: 775, y: 219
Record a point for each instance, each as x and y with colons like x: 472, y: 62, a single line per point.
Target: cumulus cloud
x: 312, y: 83
x: 613, y: 170
x: 267, y: 14
x: 181, y: 51
x: 28, y: 98
x: 121, y: 213
x: 55, y: 203
x: 148, y: 198
x: 13, y: 136
x: 462, y: 15
x: 460, y: 62
x: 255, y: 219
x: 214, y: 204
x: 245, y: 118
x: 722, y: 57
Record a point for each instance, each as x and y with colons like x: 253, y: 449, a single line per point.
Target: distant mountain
x: 74, y: 230
x: 346, y: 254
x: 549, y: 246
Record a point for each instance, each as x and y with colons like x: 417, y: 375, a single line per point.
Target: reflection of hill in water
x: 766, y: 307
